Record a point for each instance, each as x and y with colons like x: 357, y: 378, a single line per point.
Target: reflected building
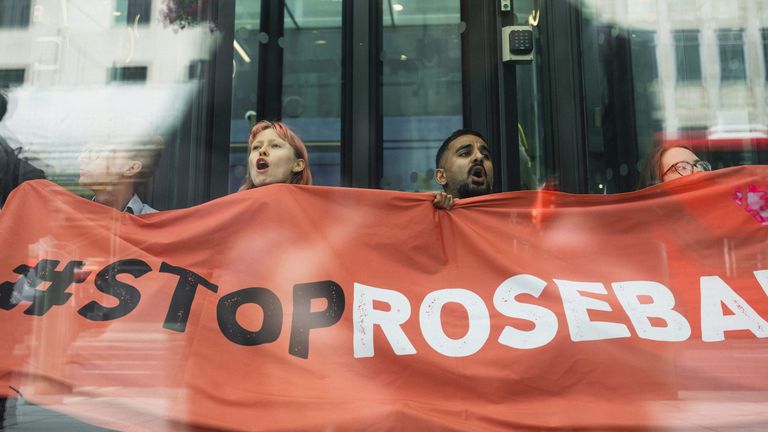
x: 709, y: 81
x: 82, y: 42
x: 76, y: 69
x: 612, y: 79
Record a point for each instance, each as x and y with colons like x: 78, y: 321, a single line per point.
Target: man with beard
x: 464, y: 168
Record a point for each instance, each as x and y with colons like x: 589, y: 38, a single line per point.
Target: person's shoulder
x: 8, y: 159
x: 5, y: 149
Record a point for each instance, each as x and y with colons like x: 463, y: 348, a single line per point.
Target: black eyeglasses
x: 686, y: 168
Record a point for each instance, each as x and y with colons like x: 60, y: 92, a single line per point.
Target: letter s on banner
x: 127, y: 295
x: 677, y: 328
x: 364, y: 317
x: 544, y: 320
x: 432, y: 327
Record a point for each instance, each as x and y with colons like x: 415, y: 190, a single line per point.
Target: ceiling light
x: 241, y: 51
x: 397, y: 7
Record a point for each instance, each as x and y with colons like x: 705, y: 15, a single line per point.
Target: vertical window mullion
x: 563, y: 93
x: 490, y: 96
x: 361, y: 119
x: 270, y: 76
x: 219, y: 82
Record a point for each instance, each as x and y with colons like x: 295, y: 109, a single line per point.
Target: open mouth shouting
x: 262, y: 165
x: 477, y: 175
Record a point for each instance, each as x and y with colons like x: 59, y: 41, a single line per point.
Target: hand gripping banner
x: 313, y: 308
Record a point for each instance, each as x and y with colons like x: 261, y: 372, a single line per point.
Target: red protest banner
x: 306, y: 308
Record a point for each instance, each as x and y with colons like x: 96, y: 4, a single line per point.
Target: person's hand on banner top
x: 443, y: 201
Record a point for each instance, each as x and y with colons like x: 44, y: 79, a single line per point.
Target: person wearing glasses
x: 276, y: 155
x: 669, y: 163
x: 114, y: 167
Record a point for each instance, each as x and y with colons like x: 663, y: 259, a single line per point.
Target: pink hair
x: 304, y: 177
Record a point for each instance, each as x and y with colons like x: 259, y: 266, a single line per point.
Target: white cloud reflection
x: 53, y: 124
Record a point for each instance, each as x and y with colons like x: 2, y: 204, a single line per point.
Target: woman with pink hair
x: 276, y: 155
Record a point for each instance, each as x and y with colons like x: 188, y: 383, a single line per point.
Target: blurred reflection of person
x: 464, y: 168
x: 669, y: 163
x: 113, y: 167
x: 13, y: 169
x: 276, y: 155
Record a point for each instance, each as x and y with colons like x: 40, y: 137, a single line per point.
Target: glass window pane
x: 11, y: 78
x: 674, y: 75
x: 534, y: 171
x: 130, y: 74
x: 687, y: 58
x: 245, y: 76
x: 311, y: 91
x: 312, y: 82
x: 732, y: 66
x: 15, y: 13
x: 764, y: 36
x: 422, y: 94
x: 645, y: 71
x: 132, y: 12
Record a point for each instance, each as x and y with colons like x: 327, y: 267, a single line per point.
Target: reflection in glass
x: 74, y: 75
x: 245, y: 63
x: 15, y: 13
x: 687, y: 58
x: 312, y: 82
x: 11, y: 78
x: 679, y: 73
x: 533, y: 169
x: 132, y: 12
x: 311, y: 91
x: 422, y: 98
x: 132, y: 74
x: 731, y: 49
x: 88, y: 97
x: 764, y: 39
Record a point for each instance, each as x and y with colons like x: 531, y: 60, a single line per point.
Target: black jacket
x: 14, y: 171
